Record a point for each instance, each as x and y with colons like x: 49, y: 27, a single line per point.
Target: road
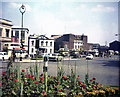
x: 106, y: 70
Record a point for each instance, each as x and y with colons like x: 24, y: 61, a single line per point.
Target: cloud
x: 101, y: 8
x: 18, y: 5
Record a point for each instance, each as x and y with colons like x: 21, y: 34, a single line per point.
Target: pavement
x: 41, y: 60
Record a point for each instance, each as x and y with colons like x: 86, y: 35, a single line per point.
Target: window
x: 6, y: 44
x: 32, y: 43
x: 50, y: 50
x: 32, y: 50
x: 75, y: 46
x: 0, y: 31
x: 23, y: 35
x: 46, y: 43
x: 42, y: 43
x: 50, y: 43
x: 7, y: 32
x: 12, y: 33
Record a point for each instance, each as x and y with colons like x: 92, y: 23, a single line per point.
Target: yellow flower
x: 116, y: 89
x: 113, y: 91
x: 101, y: 91
x: 80, y: 94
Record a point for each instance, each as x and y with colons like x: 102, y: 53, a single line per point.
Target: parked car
x: 4, y: 56
x: 89, y: 56
x: 55, y: 57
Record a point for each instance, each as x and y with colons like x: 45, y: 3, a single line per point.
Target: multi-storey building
x: 71, y: 42
x: 20, y: 34
x: 5, y: 34
x: 42, y: 43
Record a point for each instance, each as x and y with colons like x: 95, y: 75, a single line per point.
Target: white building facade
x: 42, y: 43
x: 78, y: 44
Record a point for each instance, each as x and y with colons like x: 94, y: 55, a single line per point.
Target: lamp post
x: 22, y: 11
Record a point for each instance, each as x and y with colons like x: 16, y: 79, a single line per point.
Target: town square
x: 59, y: 49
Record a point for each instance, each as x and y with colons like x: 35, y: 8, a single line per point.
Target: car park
x: 55, y: 57
x: 89, y: 56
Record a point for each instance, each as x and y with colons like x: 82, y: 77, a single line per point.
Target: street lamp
x: 22, y: 11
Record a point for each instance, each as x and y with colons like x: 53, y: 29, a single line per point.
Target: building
x: 71, y: 42
x: 5, y: 34
x: 20, y: 34
x: 115, y: 46
x: 42, y: 43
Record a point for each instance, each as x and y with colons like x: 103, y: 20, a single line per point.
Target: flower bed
x: 15, y: 83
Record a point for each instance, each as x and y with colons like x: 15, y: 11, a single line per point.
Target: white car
x: 4, y: 56
x: 89, y: 56
x: 55, y: 57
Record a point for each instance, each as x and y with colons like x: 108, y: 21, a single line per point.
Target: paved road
x: 106, y: 70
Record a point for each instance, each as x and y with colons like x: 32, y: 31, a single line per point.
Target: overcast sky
x: 97, y: 20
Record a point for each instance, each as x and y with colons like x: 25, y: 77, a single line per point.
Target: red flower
x: 54, y: 77
x: 84, y: 86
x: 55, y: 86
x: 48, y: 75
x: 23, y: 70
x: 101, y: 84
x: 80, y: 82
x: 3, y: 73
x: 32, y: 75
x: 93, y: 86
x: 58, y: 81
x: 77, y: 78
x: 94, y: 78
x: 32, y: 78
x: 65, y: 77
x: 15, y: 80
x: 36, y: 82
x: 78, y: 75
x: 29, y: 76
x: 41, y: 78
x: 24, y: 83
x: 43, y: 92
x: 91, y: 80
x: 59, y: 90
x: 42, y: 74
x: 9, y: 78
x: 97, y: 83
x: 93, y: 89
x: 15, y: 71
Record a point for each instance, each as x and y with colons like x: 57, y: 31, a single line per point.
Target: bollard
x: 45, y: 72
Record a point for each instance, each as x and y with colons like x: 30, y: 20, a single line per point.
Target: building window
x: 50, y: 43
x: 12, y: 33
x: 16, y: 35
x: 42, y: 43
x: 23, y: 35
x: 0, y: 31
x: 46, y: 43
x: 6, y: 44
x: 32, y: 43
x: 7, y: 32
x: 32, y: 50
x: 50, y: 50
x: 75, y: 46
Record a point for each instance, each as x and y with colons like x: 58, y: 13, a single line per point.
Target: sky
x: 97, y: 20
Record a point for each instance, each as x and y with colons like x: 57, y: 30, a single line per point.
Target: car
x: 45, y: 55
x: 4, y: 56
x: 89, y: 56
x: 55, y: 57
